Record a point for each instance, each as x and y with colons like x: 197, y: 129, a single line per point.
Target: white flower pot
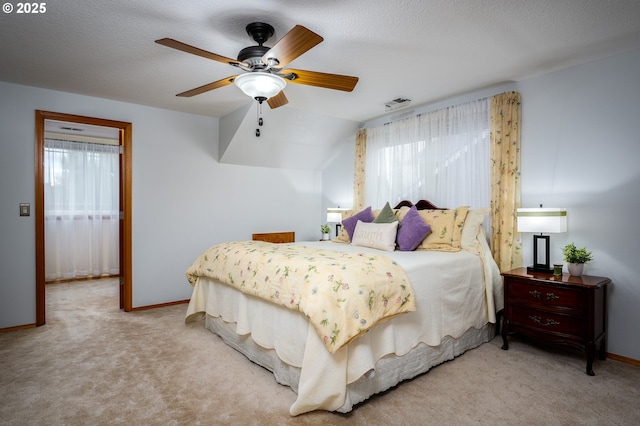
x: 575, y: 269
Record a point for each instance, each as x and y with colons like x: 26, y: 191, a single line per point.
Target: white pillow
x: 381, y: 236
x: 472, y: 225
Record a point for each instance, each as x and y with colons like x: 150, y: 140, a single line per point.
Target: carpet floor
x: 92, y: 364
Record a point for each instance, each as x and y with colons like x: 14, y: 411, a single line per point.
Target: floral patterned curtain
x: 358, y: 183
x: 506, y: 244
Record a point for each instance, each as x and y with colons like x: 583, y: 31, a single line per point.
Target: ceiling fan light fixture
x: 263, y: 79
x: 260, y: 85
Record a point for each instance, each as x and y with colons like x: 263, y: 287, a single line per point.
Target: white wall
x: 184, y: 200
x: 580, y: 150
x: 337, y: 189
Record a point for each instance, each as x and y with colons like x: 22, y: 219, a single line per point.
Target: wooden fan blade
x: 277, y: 100
x: 175, y: 44
x: 207, y: 87
x: 293, y: 44
x: 320, y: 79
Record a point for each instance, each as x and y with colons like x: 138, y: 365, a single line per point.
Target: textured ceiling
x: 424, y: 50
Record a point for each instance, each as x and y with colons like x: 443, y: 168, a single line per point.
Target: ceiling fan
x: 265, y: 76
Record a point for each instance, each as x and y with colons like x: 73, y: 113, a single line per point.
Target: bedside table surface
x: 566, y: 279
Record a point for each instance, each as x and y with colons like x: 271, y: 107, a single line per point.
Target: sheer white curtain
x: 81, y: 209
x: 443, y: 156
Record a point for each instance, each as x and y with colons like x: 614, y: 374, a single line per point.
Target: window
x: 442, y: 156
x: 81, y: 209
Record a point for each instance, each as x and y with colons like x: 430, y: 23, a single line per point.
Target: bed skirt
x: 389, y: 370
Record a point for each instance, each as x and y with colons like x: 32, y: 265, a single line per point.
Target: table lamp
x: 541, y: 220
x: 334, y: 215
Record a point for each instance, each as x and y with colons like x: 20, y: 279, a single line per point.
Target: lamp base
x: 539, y: 269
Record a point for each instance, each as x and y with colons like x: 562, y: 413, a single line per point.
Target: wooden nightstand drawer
x: 547, y: 322
x: 552, y: 296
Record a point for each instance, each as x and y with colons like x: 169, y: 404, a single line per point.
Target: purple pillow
x: 412, y: 231
x: 350, y: 223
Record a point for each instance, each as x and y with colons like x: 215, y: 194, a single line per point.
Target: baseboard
x: 17, y: 327
x: 624, y: 359
x: 161, y: 305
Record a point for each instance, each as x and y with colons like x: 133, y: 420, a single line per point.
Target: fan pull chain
x: 259, y: 117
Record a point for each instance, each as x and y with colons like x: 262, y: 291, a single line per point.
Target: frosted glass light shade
x: 260, y: 84
x: 542, y: 220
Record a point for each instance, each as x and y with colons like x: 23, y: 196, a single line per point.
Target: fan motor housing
x: 252, y: 55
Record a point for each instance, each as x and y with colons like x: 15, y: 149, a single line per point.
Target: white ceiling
x: 424, y: 50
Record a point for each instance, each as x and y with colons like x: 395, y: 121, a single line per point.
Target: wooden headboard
x: 420, y: 205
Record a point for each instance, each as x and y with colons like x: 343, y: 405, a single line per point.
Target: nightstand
x: 563, y: 310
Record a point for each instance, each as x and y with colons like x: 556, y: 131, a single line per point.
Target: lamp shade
x: 260, y: 85
x: 334, y: 214
x: 548, y: 220
x: 334, y: 217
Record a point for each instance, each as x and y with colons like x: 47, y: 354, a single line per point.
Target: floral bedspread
x: 342, y: 294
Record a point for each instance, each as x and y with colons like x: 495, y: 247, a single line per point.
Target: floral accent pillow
x: 446, y: 228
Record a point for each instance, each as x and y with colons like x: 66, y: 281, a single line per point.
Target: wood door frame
x: 125, y: 205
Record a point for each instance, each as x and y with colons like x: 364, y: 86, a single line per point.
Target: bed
x: 449, y: 307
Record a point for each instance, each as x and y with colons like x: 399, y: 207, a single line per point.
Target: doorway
x: 124, y: 136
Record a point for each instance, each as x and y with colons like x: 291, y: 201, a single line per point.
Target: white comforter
x: 454, y: 292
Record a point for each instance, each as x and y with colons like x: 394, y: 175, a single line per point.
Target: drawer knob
x: 538, y: 320
x: 535, y: 293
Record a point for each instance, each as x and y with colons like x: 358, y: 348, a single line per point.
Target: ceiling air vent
x: 396, y: 104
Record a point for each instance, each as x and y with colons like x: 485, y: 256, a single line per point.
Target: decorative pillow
x: 343, y: 237
x: 381, y: 236
x: 401, y: 212
x: 412, y: 231
x: 472, y: 225
x: 386, y: 215
x: 349, y: 224
x: 446, y: 228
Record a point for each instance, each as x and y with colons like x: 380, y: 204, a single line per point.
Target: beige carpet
x: 93, y: 364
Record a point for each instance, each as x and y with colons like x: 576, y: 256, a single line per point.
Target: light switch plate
x: 25, y: 209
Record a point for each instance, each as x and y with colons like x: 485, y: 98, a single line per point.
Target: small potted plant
x: 325, y: 231
x: 576, y: 258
